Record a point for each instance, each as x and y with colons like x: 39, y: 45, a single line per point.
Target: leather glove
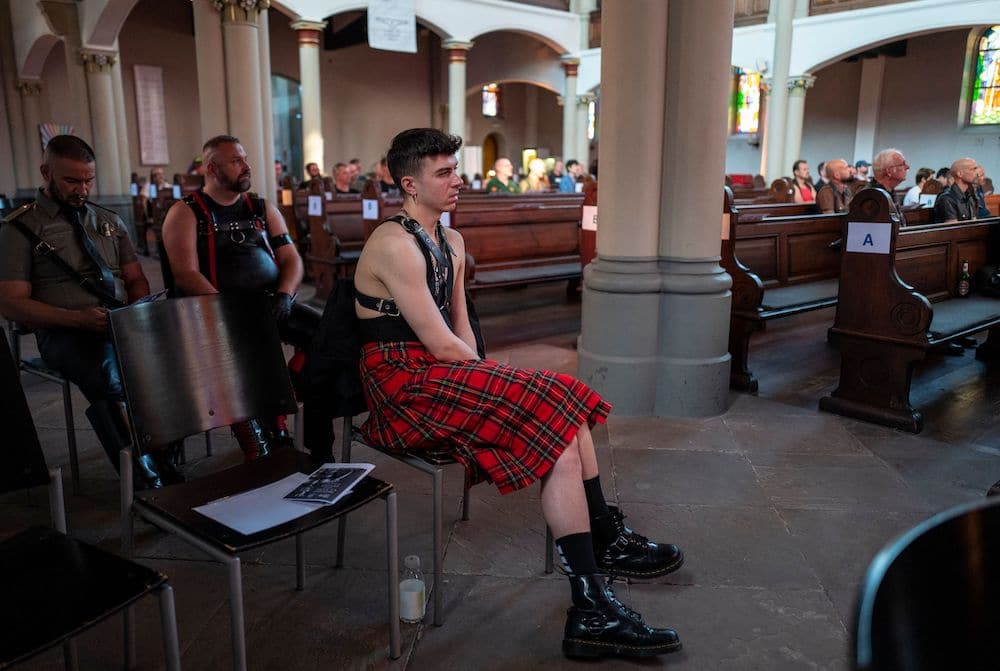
x: 281, y: 306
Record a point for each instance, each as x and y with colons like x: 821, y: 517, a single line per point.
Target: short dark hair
x: 213, y: 143
x: 923, y: 174
x: 69, y: 146
x: 943, y: 172
x: 570, y: 163
x: 795, y: 166
x: 411, y: 146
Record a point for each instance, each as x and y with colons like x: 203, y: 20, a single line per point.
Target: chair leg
x: 128, y: 636
x: 548, y: 549
x: 300, y: 564
x: 74, y: 462
x: 208, y: 443
x: 168, y: 626
x: 127, y: 494
x: 236, y: 614
x: 347, y: 436
x: 438, y: 545
x: 69, y: 655
x: 392, y: 561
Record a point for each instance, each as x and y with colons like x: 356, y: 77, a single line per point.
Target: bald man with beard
x: 958, y: 202
x: 834, y: 196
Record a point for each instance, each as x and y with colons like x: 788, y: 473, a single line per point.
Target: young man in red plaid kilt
x: 427, y: 387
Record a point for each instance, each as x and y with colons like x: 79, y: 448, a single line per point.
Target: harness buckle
x: 383, y: 306
x: 43, y: 248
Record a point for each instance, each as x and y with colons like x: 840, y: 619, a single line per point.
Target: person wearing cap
x: 863, y: 168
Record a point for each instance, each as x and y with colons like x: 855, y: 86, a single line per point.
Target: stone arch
x: 38, y: 53
x: 102, y: 20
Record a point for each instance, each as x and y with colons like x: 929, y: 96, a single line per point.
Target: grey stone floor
x: 779, y: 508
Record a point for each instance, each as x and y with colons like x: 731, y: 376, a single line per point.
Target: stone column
x: 241, y: 46
x: 30, y: 90
x: 8, y: 176
x: 869, y: 103
x: 213, y: 112
x: 530, y: 116
x: 582, y: 153
x: 693, y: 372
x: 783, y: 14
x: 618, y: 347
x: 124, y: 155
x: 267, y: 118
x: 569, y: 139
x: 762, y: 125
x: 101, y: 92
x: 457, y: 52
x: 25, y: 174
x: 797, y: 87
x: 310, y: 33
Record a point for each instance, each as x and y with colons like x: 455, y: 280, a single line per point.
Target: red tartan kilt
x: 506, y: 425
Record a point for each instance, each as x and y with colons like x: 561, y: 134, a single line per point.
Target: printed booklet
x: 329, y: 483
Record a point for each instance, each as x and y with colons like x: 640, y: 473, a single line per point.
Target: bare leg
x: 564, y: 505
x: 588, y: 455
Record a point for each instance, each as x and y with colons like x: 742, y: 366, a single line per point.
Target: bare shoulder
x: 454, y: 238
x: 179, y: 211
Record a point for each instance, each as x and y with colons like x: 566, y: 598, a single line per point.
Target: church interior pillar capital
x: 457, y: 50
x: 570, y: 65
x: 97, y: 60
x: 241, y: 11
x: 309, y: 33
x: 29, y: 87
x: 800, y: 83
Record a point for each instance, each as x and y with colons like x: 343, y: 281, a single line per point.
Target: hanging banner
x: 392, y: 25
x: 151, y: 115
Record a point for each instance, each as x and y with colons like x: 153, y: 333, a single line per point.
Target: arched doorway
x: 491, y: 150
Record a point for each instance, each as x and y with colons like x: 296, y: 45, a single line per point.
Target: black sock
x: 601, y: 524
x: 577, y: 554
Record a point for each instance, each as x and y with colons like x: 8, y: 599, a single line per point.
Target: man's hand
x: 281, y: 306
x: 93, y: 319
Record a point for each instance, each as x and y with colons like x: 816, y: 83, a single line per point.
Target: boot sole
x: 575, y: 647
x: 625, y: 573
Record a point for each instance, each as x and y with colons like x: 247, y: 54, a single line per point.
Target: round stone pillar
x: 457, y: 53
x: 30, y: 90
x: 693, y: 371
x: 101, y: 92
x: 777, y: 107
x: 619, y: 344
x: 310, y: 33
x: 239, y: 33
x: 570, y: 66
x: 582, y: 153
x: 269, y: 184
x: 124, y: 154
x: 797, y: 87
x: 25, y: 174
x: 213, y: 112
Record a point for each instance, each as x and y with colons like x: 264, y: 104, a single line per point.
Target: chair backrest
x: 22, y: 463
x: 931, y: 186
x: 193, y: 364
x: 931, y: 598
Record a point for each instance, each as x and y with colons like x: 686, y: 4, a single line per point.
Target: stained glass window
x: 491, y: 100
x: 986, y: 85
x: 746, y: 102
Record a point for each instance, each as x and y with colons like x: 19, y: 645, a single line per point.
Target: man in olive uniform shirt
x: 504, y: 181
x: 70, y: 322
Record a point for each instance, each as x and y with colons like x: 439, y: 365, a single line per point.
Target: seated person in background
x: 567, y: 183
x: 426, y: 387
x: 912, y: 197
x: 156, y: 179
x: 890, y: 170
x: 358, y: 176
x: 536, y: 181
x: 802, y: 186
x: 943, y: 176
x: 820, y: 176
x: 980, y: 193
x: 862, y: 171
x: 68, y: 309
x: 987, y: 186
x: 385, y: 183
x: 313, y: 175
x: 958, y: 202
x: 342, y: 179
x: 250, y: 252
x: 834, y: 196
x: 558, y: 171
x: 503, y: 182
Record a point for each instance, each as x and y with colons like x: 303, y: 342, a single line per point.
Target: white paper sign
x: 725, y: 226
x: 315, y: 206
x: 579, y: 187
x: 589, y: 219
x: 445, y: 219
x: 286, y: 197
x: 328, y: 194
x: 868, y: 238
x: 928, y: 199
x: 369, y: 209
x: 152, y: 191
x: 477, y: 184
x: 135, y: 189
x: 392, y: 25
x: 177, y: 191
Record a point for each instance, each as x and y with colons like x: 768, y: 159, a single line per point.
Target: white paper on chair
x: 260, y: 508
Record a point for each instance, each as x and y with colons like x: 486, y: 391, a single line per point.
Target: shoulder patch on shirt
x: 19, y: 211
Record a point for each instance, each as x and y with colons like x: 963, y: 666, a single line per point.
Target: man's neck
x: 836, y: 184
x: 220, y: 194
x: 426, y: 217
x: 503, y: 180
x: 962, y: 186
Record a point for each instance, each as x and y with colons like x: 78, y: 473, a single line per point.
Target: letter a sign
x: 868, y: 238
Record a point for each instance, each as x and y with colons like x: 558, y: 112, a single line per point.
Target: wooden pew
x: 781, y: 267
x: 780, y: 191
x: 897, y: 304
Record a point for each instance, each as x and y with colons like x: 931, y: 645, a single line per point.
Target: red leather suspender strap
x: 211, y: 239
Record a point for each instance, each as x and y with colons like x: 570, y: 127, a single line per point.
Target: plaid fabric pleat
x: 506, y: 425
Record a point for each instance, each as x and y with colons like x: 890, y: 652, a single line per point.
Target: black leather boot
x: 252, y: 439
x: 622, y: 552
x: 110, y: 423
x: 599, y: 624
